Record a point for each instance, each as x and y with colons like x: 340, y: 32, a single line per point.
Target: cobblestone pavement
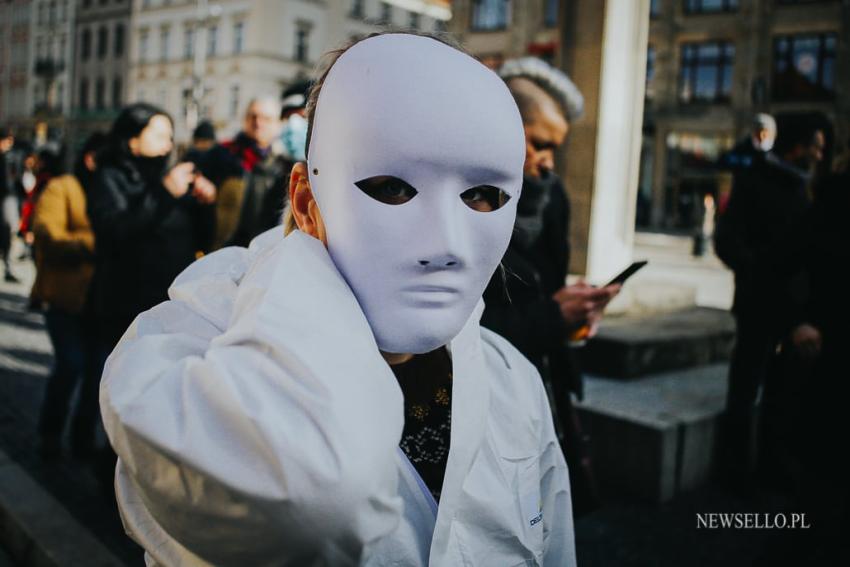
x: 25, y: 361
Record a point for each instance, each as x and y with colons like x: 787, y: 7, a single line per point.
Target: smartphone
x: 627, y: 273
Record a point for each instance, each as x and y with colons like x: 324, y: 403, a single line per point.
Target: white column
x: 618, y: 141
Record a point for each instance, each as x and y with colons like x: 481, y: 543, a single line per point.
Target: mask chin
x: 404, y: 330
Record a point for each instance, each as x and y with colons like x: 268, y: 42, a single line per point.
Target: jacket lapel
x: 470, y: 408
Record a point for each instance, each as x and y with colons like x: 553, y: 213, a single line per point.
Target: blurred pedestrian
x: 806, y: 393
x: 750, y: 151
x: 203, y: 140
x: 149, y: 221
x: 64, y: 258
x: 762, y: 237
x: 292, y: 115
x: 528, y: 301
x: 32, y: 181
x: 250, y: 176
x: 8, y: 203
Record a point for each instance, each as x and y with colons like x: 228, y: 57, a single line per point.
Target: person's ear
x: 305, y: 210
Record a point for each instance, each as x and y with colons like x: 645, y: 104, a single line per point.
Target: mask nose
x: 446, y: 237
x: 442, y: 262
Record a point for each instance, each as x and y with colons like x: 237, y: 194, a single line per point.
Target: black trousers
x: 755, y: 345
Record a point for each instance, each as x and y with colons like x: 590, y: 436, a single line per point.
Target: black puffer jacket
x: 518, y: 300
x: 144, y: 238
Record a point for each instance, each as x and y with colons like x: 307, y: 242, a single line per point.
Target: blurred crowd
x: 782, y: 233
x: 109, y: 236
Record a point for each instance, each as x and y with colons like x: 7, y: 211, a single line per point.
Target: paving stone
x: 25, y: 362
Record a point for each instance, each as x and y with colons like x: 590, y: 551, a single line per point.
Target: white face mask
x: 410, y: 137
x: 764, y: 145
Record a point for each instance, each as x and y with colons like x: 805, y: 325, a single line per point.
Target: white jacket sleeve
x: 255, y: 420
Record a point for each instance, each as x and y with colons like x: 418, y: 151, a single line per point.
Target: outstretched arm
x: 255, y: 424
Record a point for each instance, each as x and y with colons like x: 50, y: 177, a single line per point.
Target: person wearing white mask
x: 292, y: 115
x: 280, y: 409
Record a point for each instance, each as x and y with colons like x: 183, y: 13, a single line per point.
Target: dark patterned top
x: 426, y: 382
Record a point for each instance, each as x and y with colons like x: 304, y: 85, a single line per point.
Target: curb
x: 37, y: 531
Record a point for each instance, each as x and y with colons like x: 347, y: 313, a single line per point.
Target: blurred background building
x: 67, y: 66
x: 101, y: 58
x: 495, y: 30
x: 201, y: 60
x: 713, y: 64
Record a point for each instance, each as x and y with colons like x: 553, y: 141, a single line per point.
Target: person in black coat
x: 762, y: 236
x: 149, y: 222
x: 527, y: 301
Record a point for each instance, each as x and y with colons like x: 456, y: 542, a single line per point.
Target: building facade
x: 713, y: 64
x: 225, y: 53
x: 16, y: 60
x: 496, y: 30
x: 101, y: 56
x: 52, y: 61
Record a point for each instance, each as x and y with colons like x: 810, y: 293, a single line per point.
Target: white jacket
x: 257, y: 424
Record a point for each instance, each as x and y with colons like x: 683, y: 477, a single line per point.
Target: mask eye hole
x: 387, y: 189
x: 484, y: 198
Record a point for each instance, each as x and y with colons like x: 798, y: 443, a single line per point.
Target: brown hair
x: 325, y: 63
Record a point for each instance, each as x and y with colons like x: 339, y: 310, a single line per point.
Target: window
x: 413, y: 22
x: 710, y: 6
x: 550, y: 13
x: 100, y: 94
x: 302, y: 35
x: 51, y: 12
x: 102, y: 40
x: 386, y: 13
x: 356, y: 9
x: 83, y: 103
x: 490, y: 14
x: 118, y: 46
x: 706, y: 71
x: 143, y: 45
x: 117, y: 87
x: 650, y: 71
x: 238, y: 37
x: 654, y: 8
x: 188, y: 43
x: 85, y: 47
x: 804, y: 67
x: 212, y: 41
x: 234, y: 101
x: 164, y: 40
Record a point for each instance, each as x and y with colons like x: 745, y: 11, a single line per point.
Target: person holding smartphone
x: 528, y: 301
